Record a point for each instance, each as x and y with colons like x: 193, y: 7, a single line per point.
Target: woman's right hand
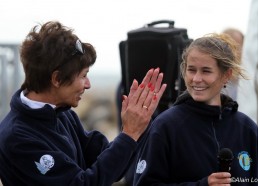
x: 219, y: 178
x: 142, y: 101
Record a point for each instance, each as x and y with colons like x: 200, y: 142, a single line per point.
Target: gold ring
x: 145, y: 107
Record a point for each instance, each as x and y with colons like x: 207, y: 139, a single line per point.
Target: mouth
x: 198, y: 88
x: 80, y: 96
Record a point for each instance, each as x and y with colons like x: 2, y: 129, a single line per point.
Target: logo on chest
x: 244, y: 160
x: 45, y: 163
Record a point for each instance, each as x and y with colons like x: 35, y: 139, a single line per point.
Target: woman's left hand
x: 141, y: 103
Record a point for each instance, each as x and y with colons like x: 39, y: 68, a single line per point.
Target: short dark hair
x: 50, y: 47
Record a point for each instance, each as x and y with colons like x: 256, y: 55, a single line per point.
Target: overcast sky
x: 105, y: 23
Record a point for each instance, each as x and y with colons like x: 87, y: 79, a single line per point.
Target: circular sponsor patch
x: 244, y: 160
x: 47, y: 161
x: 141, y: 166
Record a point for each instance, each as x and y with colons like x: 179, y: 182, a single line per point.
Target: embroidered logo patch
x: 244, y: 160
x: 141, y: 165
x: 45, y: 163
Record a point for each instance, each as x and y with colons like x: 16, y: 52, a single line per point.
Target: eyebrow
x: 205, y: 68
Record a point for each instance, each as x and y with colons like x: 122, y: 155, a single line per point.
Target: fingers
x: 136, y: 90
x: 156, y: 98
x: 148, y: 84
x: 149, y: 91
x: 158, y: 83
x: 154, y: 92
x: 124, y: 103
x: 133, y: 88
x: 135, y: 114
x: 219, y: 178
x: 143, y: 88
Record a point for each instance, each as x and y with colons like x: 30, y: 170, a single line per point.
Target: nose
x: 197, y: 77
x: 87, y: 84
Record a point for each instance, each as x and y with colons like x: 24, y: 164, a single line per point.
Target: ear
x: 228, y: 75
x: 54, y: 79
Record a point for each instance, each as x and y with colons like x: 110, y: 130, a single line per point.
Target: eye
x: 191, y: 70
x: 84, y: 74
x: 207, y: 71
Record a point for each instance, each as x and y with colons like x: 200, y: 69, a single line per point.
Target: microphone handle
x: 224, y: 166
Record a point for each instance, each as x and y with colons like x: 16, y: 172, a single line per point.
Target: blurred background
x: 104, y: 24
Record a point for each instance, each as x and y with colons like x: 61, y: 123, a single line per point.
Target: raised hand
x: 141, y: 103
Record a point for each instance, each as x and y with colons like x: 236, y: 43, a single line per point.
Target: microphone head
x: 225, y: 154
x: 225, y: 157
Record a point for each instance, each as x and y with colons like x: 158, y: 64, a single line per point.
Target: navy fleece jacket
x: 184, y: 141
x: 50, y: 147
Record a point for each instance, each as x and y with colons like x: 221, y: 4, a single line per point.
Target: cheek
x: 187, y: 78
x: 77, y: 85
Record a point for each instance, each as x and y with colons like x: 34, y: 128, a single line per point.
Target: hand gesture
x: 141, y: 103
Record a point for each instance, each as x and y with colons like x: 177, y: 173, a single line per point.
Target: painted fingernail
x: 141, y: 85
x: 149, y: 85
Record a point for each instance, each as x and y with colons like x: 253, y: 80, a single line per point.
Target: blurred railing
x: 10, y: 75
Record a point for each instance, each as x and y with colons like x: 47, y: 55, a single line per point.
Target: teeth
x: 199, y: 88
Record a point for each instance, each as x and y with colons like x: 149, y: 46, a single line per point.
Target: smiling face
x: 71, y: 94
x: 203, y: 78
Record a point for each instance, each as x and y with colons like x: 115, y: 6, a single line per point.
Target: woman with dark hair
x: 184, y: 141
x: 42, y: 141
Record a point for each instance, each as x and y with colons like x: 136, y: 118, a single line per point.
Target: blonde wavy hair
x: 222, y: 48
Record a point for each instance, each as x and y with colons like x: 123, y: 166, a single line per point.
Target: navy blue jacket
x: 184, y: 141
x: 50, y: 147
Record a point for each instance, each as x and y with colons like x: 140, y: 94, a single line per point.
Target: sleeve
x: 154, y: 165
x: 94, y: 144
x: 36, y: 163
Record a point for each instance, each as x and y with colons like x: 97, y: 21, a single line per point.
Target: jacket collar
x: 215, y: 112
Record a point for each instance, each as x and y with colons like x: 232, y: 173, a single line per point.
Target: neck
x: 45, y: 97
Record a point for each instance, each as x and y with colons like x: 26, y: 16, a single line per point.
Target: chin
x: 74, y: 105
x: 198, y: 98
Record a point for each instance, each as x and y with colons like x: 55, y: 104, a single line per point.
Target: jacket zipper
x: 216, y: 140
